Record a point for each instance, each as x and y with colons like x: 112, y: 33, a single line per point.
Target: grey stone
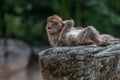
x: 81, y: 62
x: 17, y: 58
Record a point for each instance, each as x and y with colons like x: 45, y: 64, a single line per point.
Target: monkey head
x: 54, y: 24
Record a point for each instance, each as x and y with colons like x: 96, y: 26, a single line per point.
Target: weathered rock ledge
x: 81, y: 62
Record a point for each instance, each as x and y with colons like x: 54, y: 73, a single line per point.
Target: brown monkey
x: 54, y: 27
x: 62, y: 33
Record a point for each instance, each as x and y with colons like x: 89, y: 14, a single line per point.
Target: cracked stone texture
x: 81, y: 62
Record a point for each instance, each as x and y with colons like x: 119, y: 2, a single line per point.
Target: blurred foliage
x: 26, y: 19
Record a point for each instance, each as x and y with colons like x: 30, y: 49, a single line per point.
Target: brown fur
x: 54, y: 27
x: 64, y: 34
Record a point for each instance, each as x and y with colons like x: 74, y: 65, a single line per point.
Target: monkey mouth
x: 49, y: 27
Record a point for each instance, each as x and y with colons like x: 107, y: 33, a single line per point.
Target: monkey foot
x: 106, y: 43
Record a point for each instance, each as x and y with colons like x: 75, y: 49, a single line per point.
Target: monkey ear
x: 69, y: 22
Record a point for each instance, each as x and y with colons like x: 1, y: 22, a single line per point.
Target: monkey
x: 54, y: 27
x: 63, y: 33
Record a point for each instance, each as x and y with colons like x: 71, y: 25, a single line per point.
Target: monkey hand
x: 58, y: 43
x: 68, y: 23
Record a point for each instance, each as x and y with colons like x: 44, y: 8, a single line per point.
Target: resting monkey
x: 62, y: 33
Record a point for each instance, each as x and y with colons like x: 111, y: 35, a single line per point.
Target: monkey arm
x: 68, y: 25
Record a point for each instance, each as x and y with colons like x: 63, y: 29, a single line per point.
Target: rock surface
x: 15, y: 66
x: 17, y: 58
x: 81, y: 62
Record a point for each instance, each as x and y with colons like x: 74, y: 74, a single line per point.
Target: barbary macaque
x: 62, y: 33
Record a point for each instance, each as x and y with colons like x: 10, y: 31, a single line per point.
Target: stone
x: 84, y: 62
x: 17, y: 57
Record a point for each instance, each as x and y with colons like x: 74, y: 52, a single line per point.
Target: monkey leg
x: 94, y: 35
x: 91, y: 36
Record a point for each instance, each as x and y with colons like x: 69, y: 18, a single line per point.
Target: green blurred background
x: 26, y: 19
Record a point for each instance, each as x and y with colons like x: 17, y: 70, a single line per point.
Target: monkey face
x: 53, y: 26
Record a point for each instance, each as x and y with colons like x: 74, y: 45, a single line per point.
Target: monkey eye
x: 52, y: 21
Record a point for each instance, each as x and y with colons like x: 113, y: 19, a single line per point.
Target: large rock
x: 81, y: 62
x: 17, y: 57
